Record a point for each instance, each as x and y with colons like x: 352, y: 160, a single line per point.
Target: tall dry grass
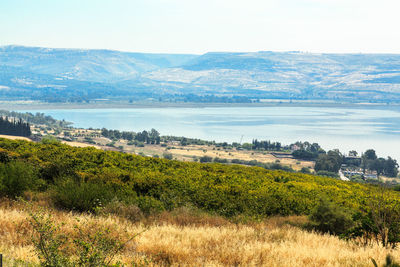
x: 178, y: 241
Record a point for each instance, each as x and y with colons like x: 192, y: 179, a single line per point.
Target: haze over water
x: 342, y: 128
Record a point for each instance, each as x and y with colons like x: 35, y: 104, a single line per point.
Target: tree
x: 329, y: 218
x: 391, y: 167
x: 303, y: 154
x: 14, y: 127
x: 353, y: 153
x: 204, y: 159
x: 385, y: 215
x: 367, y: 158
x: 370, y: 154
x: 377, y: 165
x: 332, y: 161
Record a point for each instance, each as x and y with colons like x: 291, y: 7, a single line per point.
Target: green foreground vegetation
x: 88, y: 179
x: 85, y: 178
x: 91, y: 180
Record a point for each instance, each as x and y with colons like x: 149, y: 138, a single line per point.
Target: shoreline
x: 139, y: 105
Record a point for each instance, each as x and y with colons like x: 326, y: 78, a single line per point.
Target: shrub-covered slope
x: 86, y: 178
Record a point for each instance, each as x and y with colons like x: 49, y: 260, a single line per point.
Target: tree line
x: 333, y: 160
x: 148, y: 137
x: 266, y: 145
x: 37, y: 118
x: 14, y: 127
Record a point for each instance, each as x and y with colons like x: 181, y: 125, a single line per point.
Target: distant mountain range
x: 56, y: 75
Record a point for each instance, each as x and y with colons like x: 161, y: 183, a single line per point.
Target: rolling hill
x: 82, y: 75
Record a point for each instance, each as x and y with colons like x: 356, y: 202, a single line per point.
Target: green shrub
x: 81, y: 196
x: 219, y: 160
x: 328, y: 174
x: 305, y: 170
x: 205, y: 159
x: 329, y: 218
x: 140, y: 144
x: 4, y: 157
x: 149, y: 205
x: 50, y: 140
x: 167, y: 156
x: 15, y: 178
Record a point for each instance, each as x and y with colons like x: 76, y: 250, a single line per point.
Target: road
x: 342, y: 177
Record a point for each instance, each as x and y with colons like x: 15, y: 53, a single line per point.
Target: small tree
x: 205, y: 159
x: 379, y: 220
x: 385, y: 215
x: 329, y: 218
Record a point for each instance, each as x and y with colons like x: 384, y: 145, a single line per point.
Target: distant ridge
x: 60, y: 74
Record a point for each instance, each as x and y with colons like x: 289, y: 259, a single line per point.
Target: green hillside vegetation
x: 85, y: 178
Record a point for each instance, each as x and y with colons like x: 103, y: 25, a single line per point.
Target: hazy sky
x: 191, y: 26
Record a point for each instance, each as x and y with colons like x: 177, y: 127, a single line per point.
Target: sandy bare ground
x: 199, y: 151
x: 79, y: 144
x: 12, y: 137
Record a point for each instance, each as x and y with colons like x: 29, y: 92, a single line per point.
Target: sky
x: 200, y: 26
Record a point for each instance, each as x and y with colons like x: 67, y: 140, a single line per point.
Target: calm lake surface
x: 343, y: 128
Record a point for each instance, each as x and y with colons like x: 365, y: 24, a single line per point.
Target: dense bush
x: 303, y: 154
x: 305, y: 170
x: 84, y: 196
x: 15, y: 178
x: 149, y: 205
x: 204, y: 159
x: 219, y: 160
x: 328, y: 174
x: 330, y: 218
x: 167, y: 155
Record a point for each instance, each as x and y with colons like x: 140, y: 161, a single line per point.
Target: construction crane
x: 241, y: 139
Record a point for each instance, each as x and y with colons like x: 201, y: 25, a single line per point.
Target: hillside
x: 158, y: 212
x: 86, y: 177
x: 84, y: 75
x: 186, y: 213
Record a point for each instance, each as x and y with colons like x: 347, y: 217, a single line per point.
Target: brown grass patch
x: 12, y: 137
x: 183, y: 239
x: 79, y: 144
x: 264, y: 157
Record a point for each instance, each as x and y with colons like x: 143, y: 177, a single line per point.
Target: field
x: 179, y: 152
x: 14, y: 137
x: 184, y: 239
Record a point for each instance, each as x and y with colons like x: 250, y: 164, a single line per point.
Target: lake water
x: 343, y: 128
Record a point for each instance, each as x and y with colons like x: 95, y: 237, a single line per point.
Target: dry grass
x: 177, y: 241
x: 199, y: 151
x: 80, y: 144
x: 12, y: 137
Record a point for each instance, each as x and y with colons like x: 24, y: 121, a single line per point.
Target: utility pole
x: 241, y: 139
